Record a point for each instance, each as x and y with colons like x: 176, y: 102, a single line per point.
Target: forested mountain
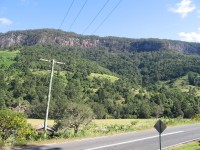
x: 116, y: 77
x: 61, y: 38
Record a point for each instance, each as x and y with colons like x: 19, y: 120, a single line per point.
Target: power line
x: 95, y: 17
x: 77, y: 15
x: 66, y: 14
x: 107, y: 16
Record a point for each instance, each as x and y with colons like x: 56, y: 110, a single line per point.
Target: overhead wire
x: 107, y: 16
x: 78, y: 15
x: 66, y: 14
x: 95, y: 17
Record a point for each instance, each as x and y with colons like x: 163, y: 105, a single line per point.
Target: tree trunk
x: 76, y: 129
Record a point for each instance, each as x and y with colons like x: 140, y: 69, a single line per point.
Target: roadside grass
x: 104, y: 127
x: 139, y: 124
x: 111, y: 126
x: 188, y: 146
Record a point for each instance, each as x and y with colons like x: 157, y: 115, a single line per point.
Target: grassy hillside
x: 113, y: 83
x: 183, y: 84
x: 7, y: 57
x: 103, y: 76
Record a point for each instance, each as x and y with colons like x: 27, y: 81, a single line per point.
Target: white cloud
x: 5, y: 21
x: 190, y: 36
x: 184, y: 7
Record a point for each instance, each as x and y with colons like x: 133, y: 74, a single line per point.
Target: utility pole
x: 198, y: 106
x: 49, y: 91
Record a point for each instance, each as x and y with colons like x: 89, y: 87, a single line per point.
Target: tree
x: 99, y: 110
x: 74, y: 116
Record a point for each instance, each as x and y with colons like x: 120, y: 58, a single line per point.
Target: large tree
x: 73, y: 116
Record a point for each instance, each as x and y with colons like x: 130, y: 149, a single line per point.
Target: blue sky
x: 164, y: 19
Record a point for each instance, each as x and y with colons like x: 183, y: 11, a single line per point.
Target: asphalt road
x: 145, y: 140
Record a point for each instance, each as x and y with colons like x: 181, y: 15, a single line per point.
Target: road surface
x: 144, y: 140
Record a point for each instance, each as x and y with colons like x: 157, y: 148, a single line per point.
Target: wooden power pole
x: 49, y: 90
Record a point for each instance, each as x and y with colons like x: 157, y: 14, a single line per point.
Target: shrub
x: 14, y: 128
x: 134, y: 122
x: 196, y: 117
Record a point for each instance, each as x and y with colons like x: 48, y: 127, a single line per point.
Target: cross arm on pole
x: 59, y: 62
x: 44, y: 60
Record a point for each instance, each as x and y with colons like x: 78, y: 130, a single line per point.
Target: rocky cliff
x: 61, y: 38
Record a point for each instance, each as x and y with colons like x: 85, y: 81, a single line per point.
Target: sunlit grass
x: 189, y: 146
x: 7, y: 57
x: 102, y: 127
x: 183, y: 85
x: 35, y: 122
x: 140, y: 124
x: 103, y: 76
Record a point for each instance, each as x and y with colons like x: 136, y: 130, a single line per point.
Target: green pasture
x: 103, y: 76
x: 7, y: 57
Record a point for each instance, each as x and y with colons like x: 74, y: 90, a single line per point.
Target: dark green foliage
x: 139, y: 64
x: 194, y: 79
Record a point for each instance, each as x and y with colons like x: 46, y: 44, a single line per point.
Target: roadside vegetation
x: 16, y: 129
x: 99, y: 127
x: 188, y: 146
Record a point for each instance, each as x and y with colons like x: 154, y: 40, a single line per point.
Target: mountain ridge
x: 62, y: 38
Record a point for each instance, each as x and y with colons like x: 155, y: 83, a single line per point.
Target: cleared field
x: 7, y: 57
x: 35, y: 122
x: 183, y: 85
x: 103, y: 76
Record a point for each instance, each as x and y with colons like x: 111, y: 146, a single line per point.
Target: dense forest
x: 117, y: 77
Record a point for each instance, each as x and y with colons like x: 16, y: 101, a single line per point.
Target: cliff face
x: 32, y: 37
x: 61, y: 38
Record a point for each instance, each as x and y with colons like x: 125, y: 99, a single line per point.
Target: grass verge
x: 102, y: 127
x: 188, y: 146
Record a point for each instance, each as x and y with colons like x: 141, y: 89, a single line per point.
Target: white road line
x: 180, y: 143
x: 94, y: 148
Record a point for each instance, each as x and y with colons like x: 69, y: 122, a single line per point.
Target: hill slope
x: 116, y: 77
